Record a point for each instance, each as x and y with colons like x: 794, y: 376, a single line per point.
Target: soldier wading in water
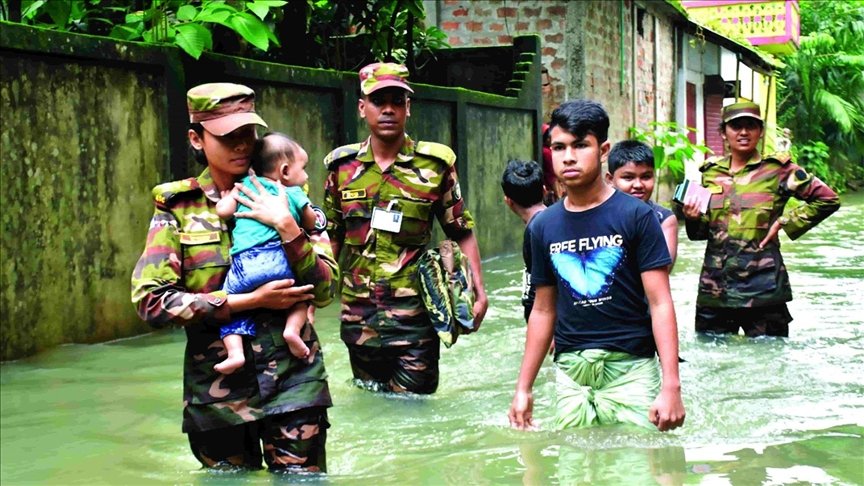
x: 274, y: 398
x: 744, y: 281
x: 379, y: 199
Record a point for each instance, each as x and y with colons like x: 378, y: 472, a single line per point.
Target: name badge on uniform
x: 388, y: 219
x: 351, y: 194
x: 199, y: 238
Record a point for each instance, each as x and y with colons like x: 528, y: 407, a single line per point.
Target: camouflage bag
x: 447, y: 289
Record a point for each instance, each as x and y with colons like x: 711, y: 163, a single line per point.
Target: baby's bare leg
x: 293, y: 326
x: 236, y: 359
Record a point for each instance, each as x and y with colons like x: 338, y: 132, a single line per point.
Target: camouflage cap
x: 222, y: 108
x: 742, y: 109
x: 383, y: 75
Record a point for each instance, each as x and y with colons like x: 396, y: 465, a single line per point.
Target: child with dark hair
x: 631, y: 170
x: 256, y: 252
x: 522, y: 183
x: 599, y: 264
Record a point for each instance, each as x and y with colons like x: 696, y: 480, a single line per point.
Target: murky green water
x: 764, y: 411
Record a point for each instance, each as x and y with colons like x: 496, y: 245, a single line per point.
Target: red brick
x: 450, y: 25
x: 531, y: 12
x: 506, y: 12
x: 522, y: 26
x: 496, y: 27
x: 483, y: 41
x: 544, y: 24
x: 460, y: 12
x: 557, y: 10
x: 451, y: 2
x: 505, y: 39
x: 454, y: 40
x: 554, y: 38
x: 474, y: 26
x: 482, y: 12
x: 557, y: 64
x: 549, y: 51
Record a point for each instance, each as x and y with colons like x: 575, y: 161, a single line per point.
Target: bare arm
x: 667, y: 411
x: 670, y: 233
x: 471, y: 250
x: 227, y: 206
x: 541, y: 325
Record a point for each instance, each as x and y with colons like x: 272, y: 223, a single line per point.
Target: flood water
x: 764, y: 411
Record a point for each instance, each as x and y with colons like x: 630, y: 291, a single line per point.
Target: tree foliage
x: 822, y: 90
x: 340, y: 34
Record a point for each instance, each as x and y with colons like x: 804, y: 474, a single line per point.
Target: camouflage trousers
x: 398, y: 368
x: 293, y: 442
x: 772, y: 320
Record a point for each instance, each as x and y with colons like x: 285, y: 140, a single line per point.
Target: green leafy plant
x: 187, y: 24
x: 672, y: 148
x: 815, y: 157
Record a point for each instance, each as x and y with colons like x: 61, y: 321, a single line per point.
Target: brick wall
x: 581, y: 50
x: 494, y: 22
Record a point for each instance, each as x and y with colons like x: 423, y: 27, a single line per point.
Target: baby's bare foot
x: 230, y: 365
x: 296, y: 345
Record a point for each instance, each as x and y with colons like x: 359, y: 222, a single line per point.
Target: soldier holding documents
x: 744, y: 282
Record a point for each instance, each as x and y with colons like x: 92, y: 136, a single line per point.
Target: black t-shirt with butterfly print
x: 596, y: 258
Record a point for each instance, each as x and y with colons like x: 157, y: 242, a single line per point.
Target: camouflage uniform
x: 382, y: 311
x: 177, y: 281
x: 736, y: 274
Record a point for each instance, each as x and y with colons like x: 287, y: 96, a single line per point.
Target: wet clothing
x: 293, y: 440
x: 596, y: 258
x: 770, y: 320
x: 397, y: 368
x: 743, y: 206
x: 248, y: 233
x: 662, y: 213
x: 529, y: 291
x: 177, y: 281
x: 597, y: 387
x: 381, y: 305
x: 249, y: 270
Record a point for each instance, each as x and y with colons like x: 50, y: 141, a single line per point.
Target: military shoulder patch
x: 782, y: 157
x: 340, y: 154
x: 165, y: 192
x: 438, y: 151
x: 798, y: 178
x: 709, y: 162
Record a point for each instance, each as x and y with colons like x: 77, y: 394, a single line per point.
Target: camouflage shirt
x: 743, y: 206
x: 178, y: 279
x: 381, y: 305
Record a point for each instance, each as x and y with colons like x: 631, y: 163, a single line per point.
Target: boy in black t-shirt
x: 599, y: 264
x: 522, y: 183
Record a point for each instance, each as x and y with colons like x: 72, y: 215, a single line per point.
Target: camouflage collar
x: 406, y: 153
x: 205, y: 182
x: 726, y: 162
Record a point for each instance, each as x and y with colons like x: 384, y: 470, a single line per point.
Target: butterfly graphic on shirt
x: 588, y: 274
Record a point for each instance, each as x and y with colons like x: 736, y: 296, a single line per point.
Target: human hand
x: 691, y: 210
x: 280, y: 294
x: 773, y: 231
x: 521, y: 410
x: 481, y: 305
x: 667, y: 411
x: 266, y: 208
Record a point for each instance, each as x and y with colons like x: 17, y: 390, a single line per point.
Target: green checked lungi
x: 596, y: 386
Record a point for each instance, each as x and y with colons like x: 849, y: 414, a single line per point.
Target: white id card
x: 386, y: 220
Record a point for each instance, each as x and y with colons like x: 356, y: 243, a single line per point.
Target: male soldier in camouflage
x: 744, y: 281
x: 275, y: 398
x: 379, y: 199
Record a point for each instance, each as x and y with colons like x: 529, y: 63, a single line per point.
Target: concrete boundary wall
x: 89, y: 125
